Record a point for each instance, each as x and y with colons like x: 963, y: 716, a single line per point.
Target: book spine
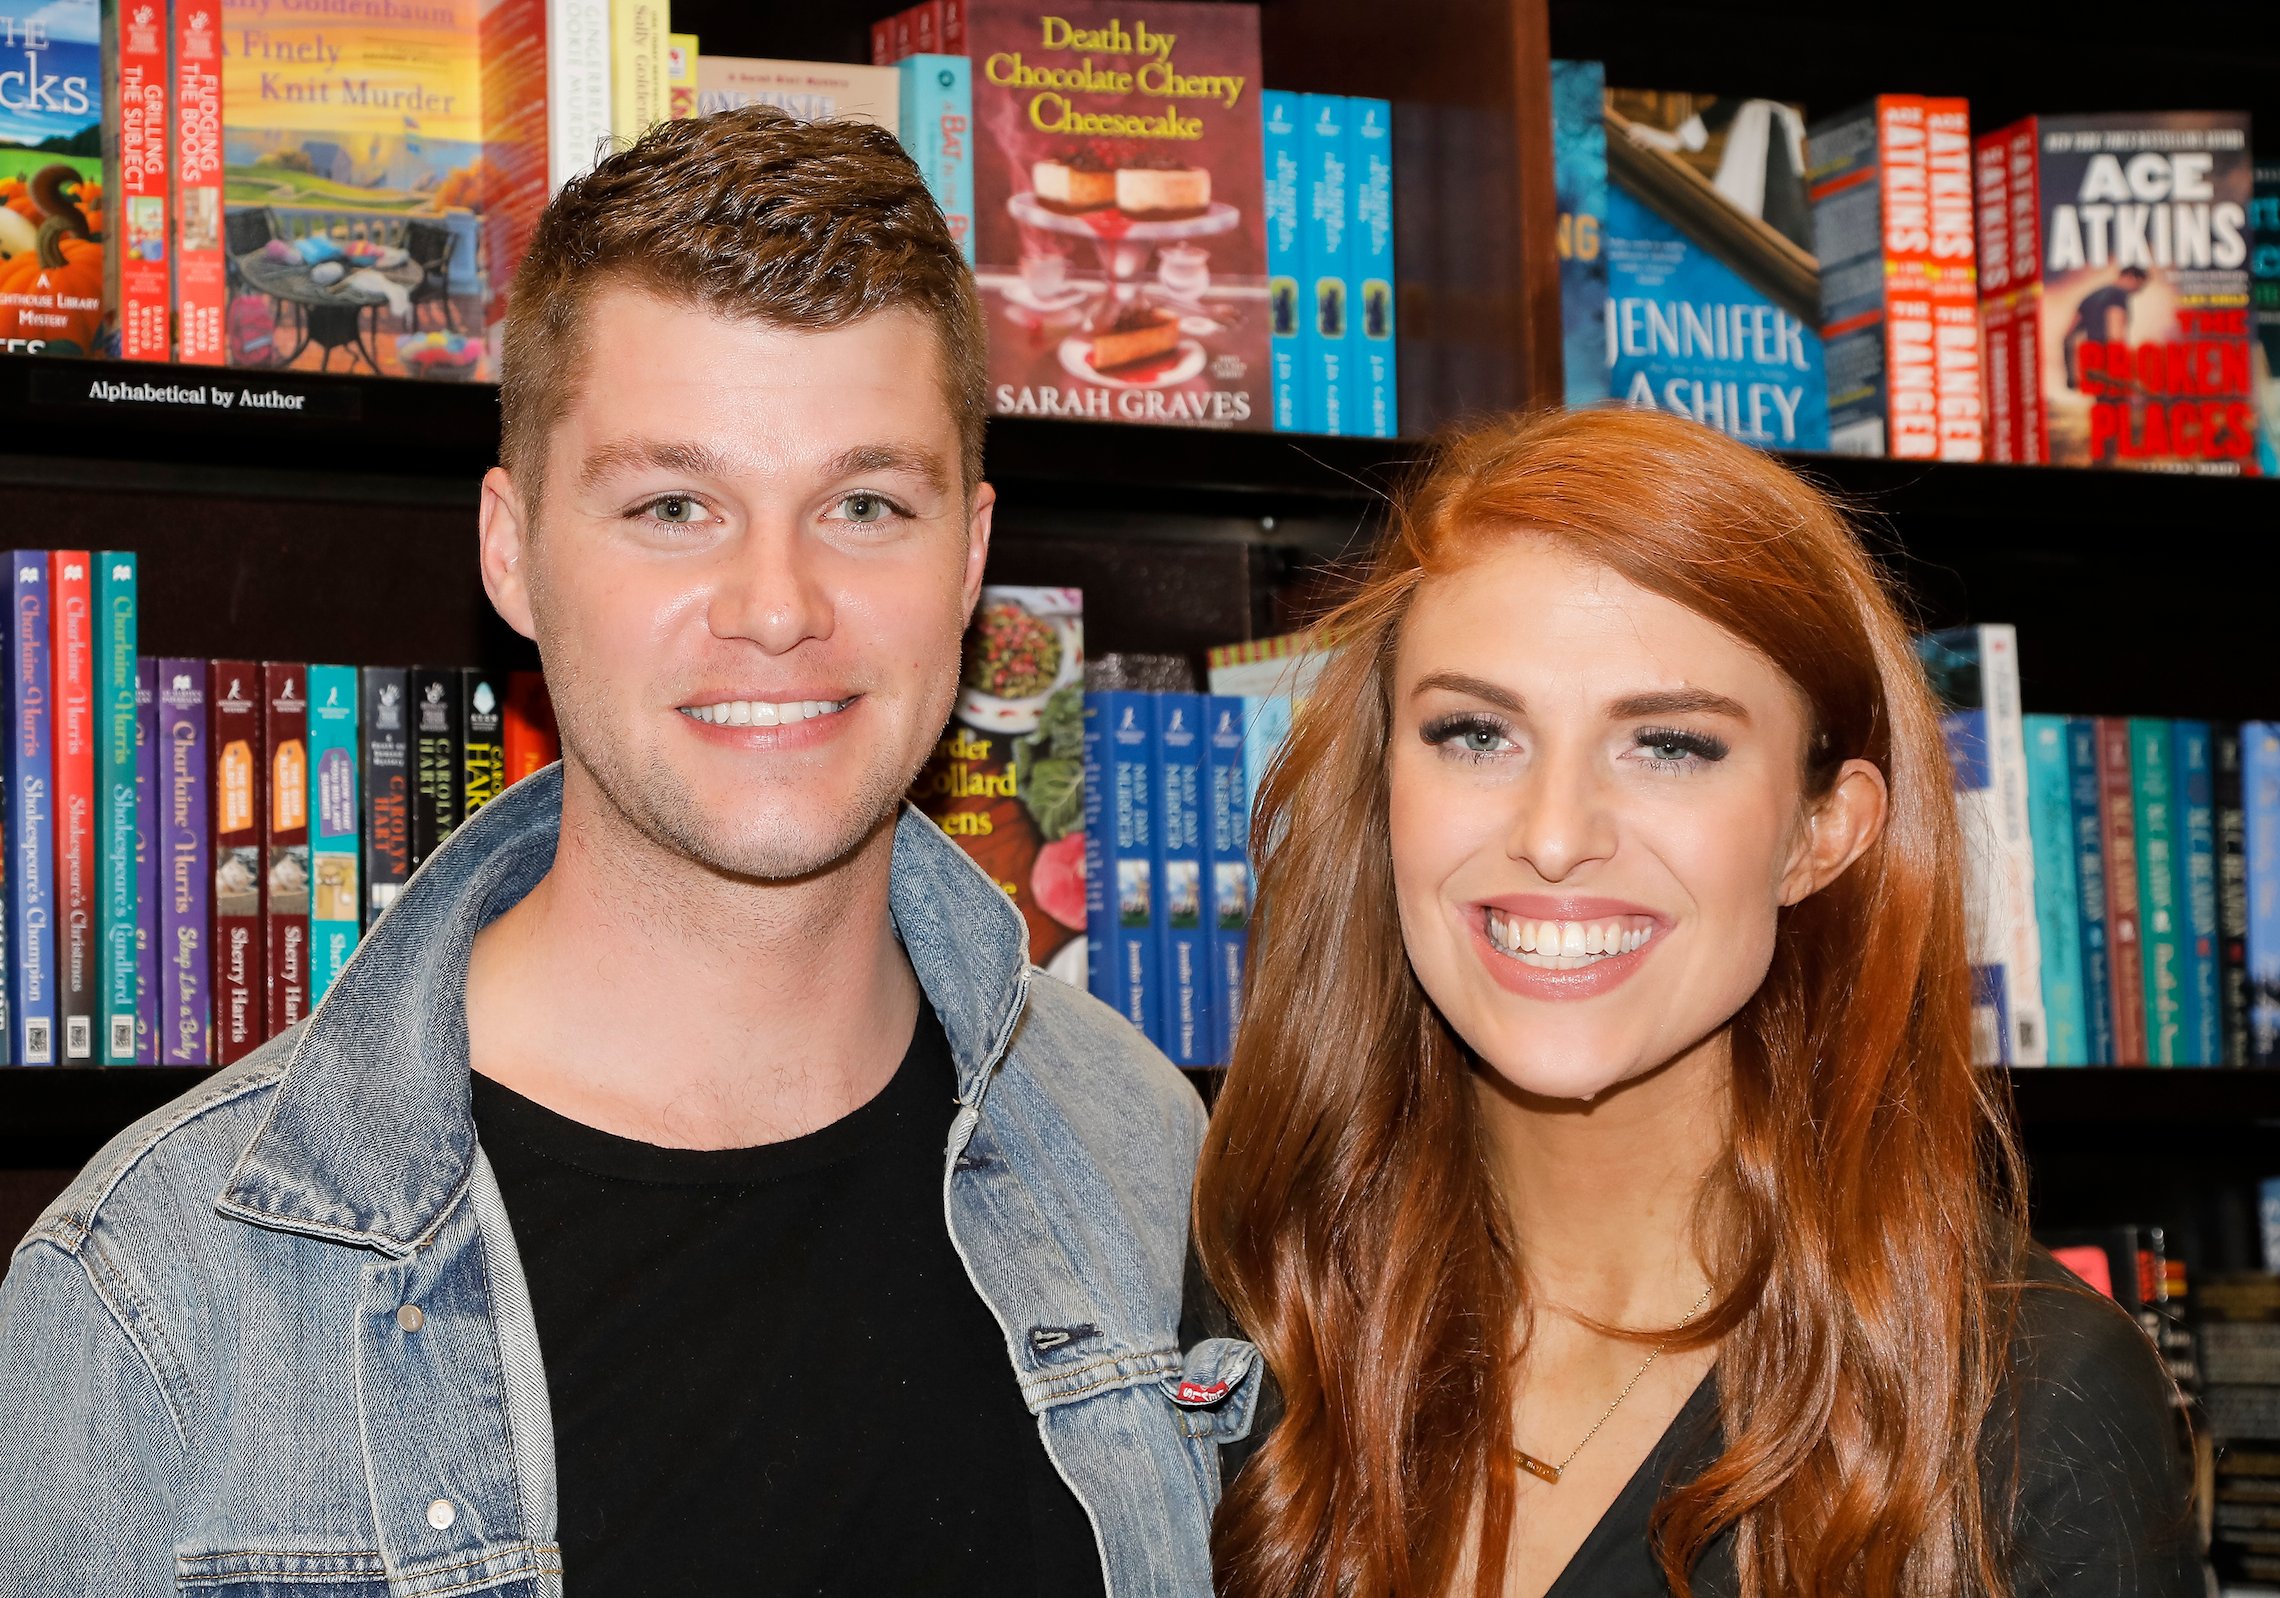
x: 1227, y: 865
x: 2090, y: 886
x: 201, y: 274
x: 925, y: 28
x: 1952, y: 281
x: 953, y: 27
x: 71, y: 653
x: 2007, y: 770
x: 239, y: 800
x: 1120, y: 873
x: 906, y: 32
x: 2050, y: 799
x: 115, y: 809
x: 2117, y: 814
x: 1326, y: 249
x: 532, y: 742
x: 1181, y: 815
x: 2192, y: 768
x: 1846, y: 187
x: 336, y: 907
x: 637, y: 66
x: 1997, y: 328
x: 517, y: 102
x: 883, y: 42
x: 1985, y: 902
x: 578, y: 87
x: 1278, y: 121
x: 31, y: 816
x: 149, y: 785
x: 437, y: 793
x: 2153, y: 803
x: 483, y: 748
x: 387, y: 785
x: 2231, y: 817
x: 135, y: 204
x: 937, y: 115
x: 1377, y: 387
x: 2260, y: 800
x: 680, y: 75
x: 2023, y: 189
x: 285, y: 844
x: 1991, y: 192
x: 186, y: 866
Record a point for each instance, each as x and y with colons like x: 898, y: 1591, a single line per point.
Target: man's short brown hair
x: 748, y: 214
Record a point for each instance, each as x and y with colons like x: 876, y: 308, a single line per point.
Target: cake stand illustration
x: 1127, y: 341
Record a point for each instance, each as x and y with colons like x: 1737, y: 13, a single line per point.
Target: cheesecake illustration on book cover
x: 1120, y: 240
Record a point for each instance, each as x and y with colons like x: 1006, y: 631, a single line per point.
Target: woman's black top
x: 2103, y: 1504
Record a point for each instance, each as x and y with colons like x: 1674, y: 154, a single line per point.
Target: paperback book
x: 1121, y: 899
x: 239, y: 798
x: 2260, y: 784
x: 136, y: 100
x: 438, y: 783
x: 285, y: 844
x: 810, y: 90
x: 150, y: 788
x: 936, y: 123
x: 336, y: 909
x: 187, y: 880
x: 71, y: 656
x: 1579, y: 180
x: 116, y: 879
x: 387, y: 783
x: 30, y: 876
x: 1182, y: 856
x: 2264, y: 312
x: 52, y: 213
x: 482, y: 749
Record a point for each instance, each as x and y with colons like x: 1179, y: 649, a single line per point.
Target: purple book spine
x: 186, y: 864
x: 147, y: 901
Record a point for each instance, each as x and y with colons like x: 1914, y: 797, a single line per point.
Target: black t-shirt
x: 2090, y: 316
x: 770, y: 1372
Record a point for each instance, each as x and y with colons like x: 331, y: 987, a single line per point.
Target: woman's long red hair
x: 1867, y: 1219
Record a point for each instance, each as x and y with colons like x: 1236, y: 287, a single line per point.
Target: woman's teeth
x: 1565, y: 945
x: 762, y: 713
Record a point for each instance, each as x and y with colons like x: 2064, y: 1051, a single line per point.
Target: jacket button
x: 441, y: 1514
x: 411, y: 1318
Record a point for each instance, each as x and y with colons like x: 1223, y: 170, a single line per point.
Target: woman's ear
x: 1839, y: 827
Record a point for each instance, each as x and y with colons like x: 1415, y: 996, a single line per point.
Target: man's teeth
x: 761, y: 712
x: 1565, y: 945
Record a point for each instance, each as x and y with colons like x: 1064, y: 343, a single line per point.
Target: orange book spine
x: 532, y: 742
x: 1952, y: 274
x: 141, y: 228
x: 200, y: 269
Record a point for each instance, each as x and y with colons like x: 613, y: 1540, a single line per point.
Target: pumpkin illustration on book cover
x: 52, y: 218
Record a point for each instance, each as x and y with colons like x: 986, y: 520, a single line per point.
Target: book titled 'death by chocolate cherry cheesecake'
x: 1119, y: 238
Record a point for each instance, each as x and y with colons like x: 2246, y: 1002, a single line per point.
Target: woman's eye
x: 1474, y: 737
x: 1675, y: 748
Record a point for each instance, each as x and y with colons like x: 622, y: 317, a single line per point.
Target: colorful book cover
x: 336, y: 906
x: 285, y: 842
x: 2090, y: 885
x: 2260, y: 788
x: 71, y: 657
x: 1326, y: 253
x: 1182, y: 814
x: 681, y: 56
x: 201, y: 258
x: 1227, y: 863
x: 2264, y: 312
x: 237, y: 794
x: 533, y: 743
x: 135, y: 169
x: 52, y: 221
x: 2193, y: 768
x: 936, y: 121
x: 1713, y: 291
x: 809, y: 90
x: 1120, y: 244
x: 187, y: 930
x: 438, y: 784
x: 2153, y: 805
x: 118, y: 928
x: 1266, y: 727
x: 2117, y: 816
x: 2232, y: 892
x: 1579, y: 180
x: 1890, y: 185
x: 1278, y: 126
x: 638, y: 29
x: 387, y: 784
x: 2050, y: 803
x: 517, y: 102
x: 1377, y: 410
x: 1007, y: 779
x: 31, y: 815
x: 150, y: 786
x: 1121, y: 898
x: 482, y: 742
x: 353, y: 187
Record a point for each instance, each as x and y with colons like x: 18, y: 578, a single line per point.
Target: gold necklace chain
x: 1551, y: 1473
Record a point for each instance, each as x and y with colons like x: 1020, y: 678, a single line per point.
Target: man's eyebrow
x: 1678, y: 702
x: 1456, y: 682
x: 677, y: 456
x: 864, y: 459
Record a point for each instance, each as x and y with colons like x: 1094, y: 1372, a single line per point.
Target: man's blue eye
x: 866, y: 508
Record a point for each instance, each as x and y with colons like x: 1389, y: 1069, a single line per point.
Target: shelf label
x: 94, y: 386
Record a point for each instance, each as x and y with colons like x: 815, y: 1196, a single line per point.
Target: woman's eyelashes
x: 1474, y: 736
x: 1678, y: 748
x: 1467, y: 735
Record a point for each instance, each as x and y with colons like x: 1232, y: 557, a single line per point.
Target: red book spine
x: 926, y: 28
x: 201, y: 283
x: 953, y: 27
x: 71, y: 659
x: 2024, y: 191
x: 233, y: 708
x: 285, y: 844
x: 140, y: 226
x: 531, y: 740
x: 2120, y: 827
x: 905, y: 25
x: 1991, y: 193
x: 2026, y: 376
x: 883, y: 42
x: 1997, y: 328
x: 1952, y: 274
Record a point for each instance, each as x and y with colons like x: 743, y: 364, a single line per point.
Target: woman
x: 1602, y: 1169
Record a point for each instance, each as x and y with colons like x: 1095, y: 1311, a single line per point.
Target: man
x: 688, y: 1187
x: 2103, y: 317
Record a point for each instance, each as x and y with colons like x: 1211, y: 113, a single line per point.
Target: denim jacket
x: 275, y: 1341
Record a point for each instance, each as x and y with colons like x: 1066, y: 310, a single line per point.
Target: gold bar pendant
x: 1536, y: 1467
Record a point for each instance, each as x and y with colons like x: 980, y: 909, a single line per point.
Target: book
x: 2127, y: 294
x: 2192, y: 760
x: 1890, y: 185
x: 1119, y: 244
x: 1713, y: 292
x: 1266, y: 728
x: 186, y: 963
x: 438, y: 783
x: 1007, y: 776
x: 117, y: 909
x: 1327, y: 261
x: 385, y: 716
x: 809, y: 90
x: 1184, y: 952
x: 2089, y: 845
x: 1377, y: 407
x: 2154, y: 809
x: 336, y: 906
x: 482, y: 743
x: 1285, y: 665
x: 936, y: 120
x: 532, y: 743
x: 2264, y: 311
x: 546, y: 116
x: 2260, y: 790
x: 1279, y: 207
x: 201, y: 265
x: 136, y: 82
x: 1121, y: 898
x: 638, y: 30
x: 150, y: 786
x: 52, y: 205
x: 237, y: 794
x: 2117, y: 787
x: 2050, y: 803
x: 1579, y: 183
x: 2229, y: 798
x: 285, y: 844
x: 71, y: 657
x: 30, y: 874
x: 681, y: 56
x: 1227, y: 863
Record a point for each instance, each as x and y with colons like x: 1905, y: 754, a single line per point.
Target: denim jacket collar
x: 370, y: 1140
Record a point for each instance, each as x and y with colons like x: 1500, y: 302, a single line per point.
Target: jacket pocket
x: 1215, y: 1390
x: 273, y: 1573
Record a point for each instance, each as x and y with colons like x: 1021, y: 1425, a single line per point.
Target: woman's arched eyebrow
x: 1677, y: 702
x: 1456, y: 682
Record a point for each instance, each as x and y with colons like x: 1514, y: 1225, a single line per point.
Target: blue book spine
x: 186, y: 867
x: 1579, y: 182
x: 336, y: 904
x: 937, y: 115
x: 115, y: 902
x: 1120, y: 870
x: 2154, y: 801
x: 1377, y: 387
x: 2201, y: 1034
x: 31, y: 815
x: 1227, y: 864
x: 2050, y: 808
x: 1181, y: 813
x: 1266, y: 723
x: 1327, y: 255
x: 2090, y: 883
x: 2260, y: 797
x: 147, y: 786
x: 1278, y: 120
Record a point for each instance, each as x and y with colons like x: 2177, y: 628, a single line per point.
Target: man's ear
x: 504, y: 540
x: 978, y: 542
x: 1839, y: 827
